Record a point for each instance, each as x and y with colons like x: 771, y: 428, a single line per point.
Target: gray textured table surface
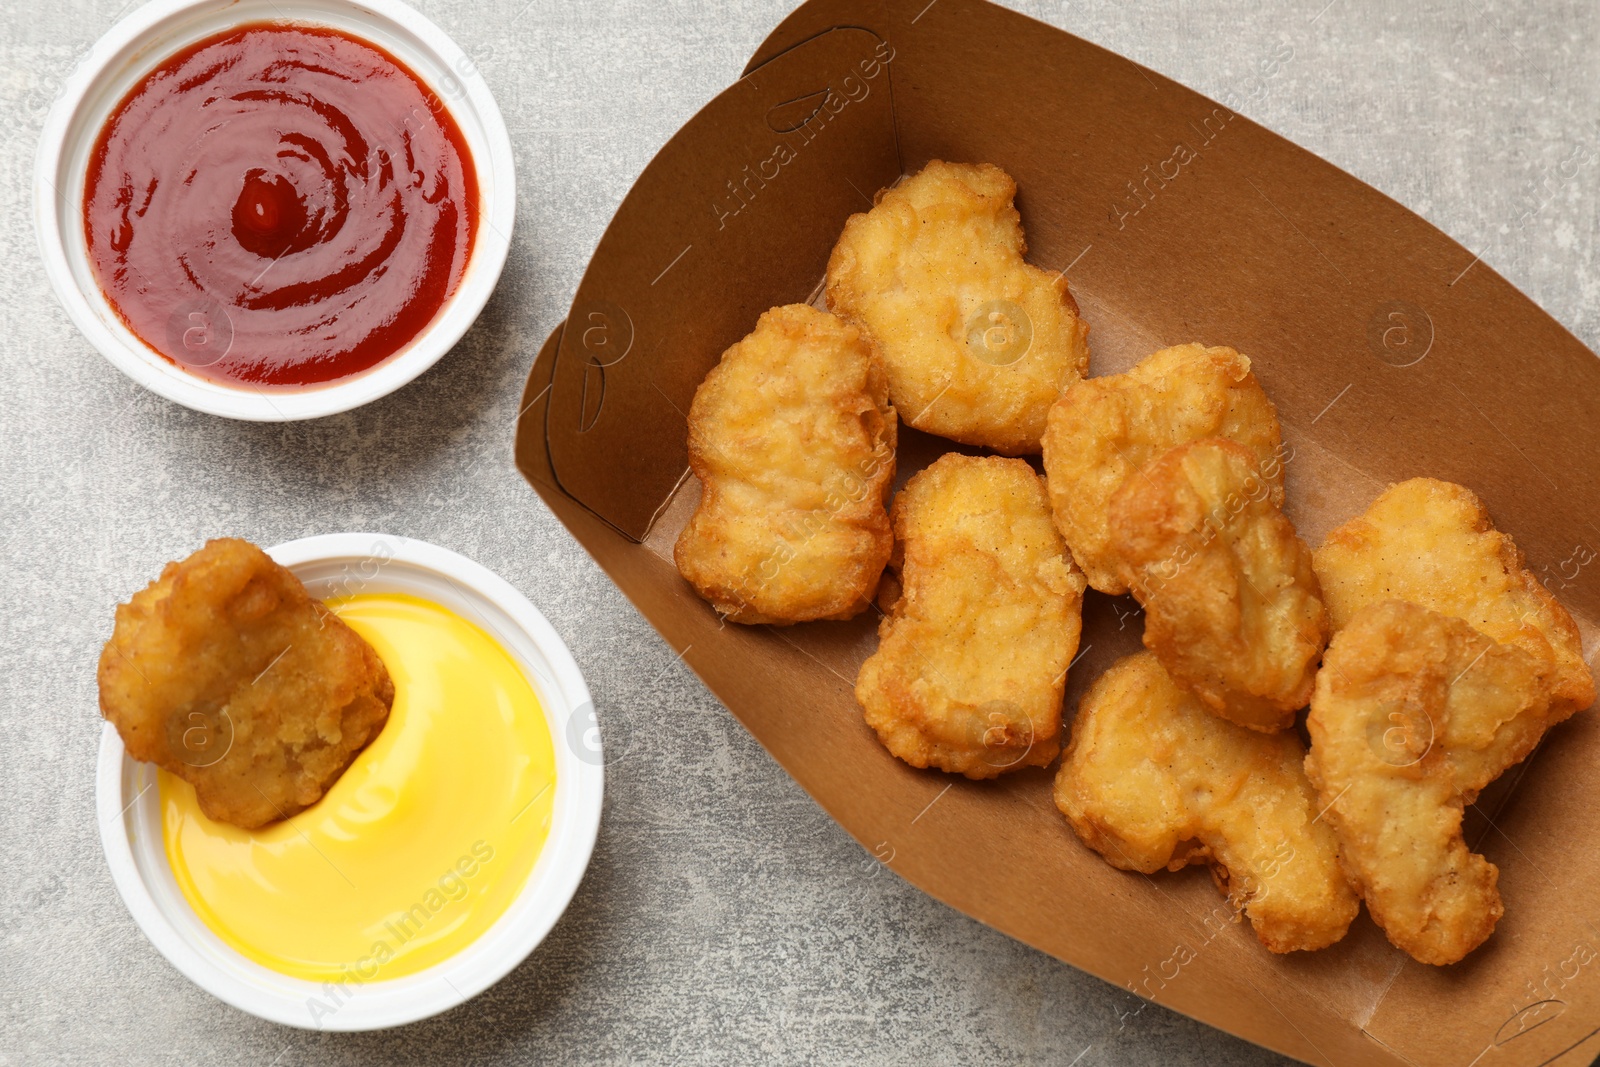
x: 725, y: 916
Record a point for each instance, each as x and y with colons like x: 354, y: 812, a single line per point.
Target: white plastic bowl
x: 138, y: 44
x: 128, y: 805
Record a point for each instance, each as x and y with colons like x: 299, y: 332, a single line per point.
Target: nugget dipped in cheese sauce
x: 227, y: 673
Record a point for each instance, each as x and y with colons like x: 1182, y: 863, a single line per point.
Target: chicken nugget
x: 977, y: 343
x: 792, y: 437
x: 1104, y: 429
x: 1152, y: 779
x: 1414, y: 713
x: 225, y: 672
x: 973, y: 656
x: 1432, y: 543
x: 1232, y: 606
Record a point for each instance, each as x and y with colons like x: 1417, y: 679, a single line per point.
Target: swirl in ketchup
x: 280, y: 205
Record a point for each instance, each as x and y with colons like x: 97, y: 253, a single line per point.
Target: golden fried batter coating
x: 1152, y: 779
x: 977, y: 343
x: 1431, y: 543
x: 792, y: 437
x: 1104, y: 429
x: 1414, y: 713
x: 973, y: 657
x: 225, y: 672
x: 1232, y: 607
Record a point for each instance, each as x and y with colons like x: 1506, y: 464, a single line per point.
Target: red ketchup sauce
x: 280, y: 205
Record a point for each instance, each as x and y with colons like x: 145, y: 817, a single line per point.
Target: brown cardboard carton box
x: 1389, y: 350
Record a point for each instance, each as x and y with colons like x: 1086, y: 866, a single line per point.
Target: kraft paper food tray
x: 1389, y: 351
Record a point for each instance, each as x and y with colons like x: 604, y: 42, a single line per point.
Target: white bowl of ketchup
x: 211, y: 350
x: 346, y: 568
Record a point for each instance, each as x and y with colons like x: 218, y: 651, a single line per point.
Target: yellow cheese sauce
x: 419, y: 847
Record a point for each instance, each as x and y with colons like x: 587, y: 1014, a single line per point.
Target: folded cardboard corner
x: 1389, y: 351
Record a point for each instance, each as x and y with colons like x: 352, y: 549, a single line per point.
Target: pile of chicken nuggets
x: 1414, y: 648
